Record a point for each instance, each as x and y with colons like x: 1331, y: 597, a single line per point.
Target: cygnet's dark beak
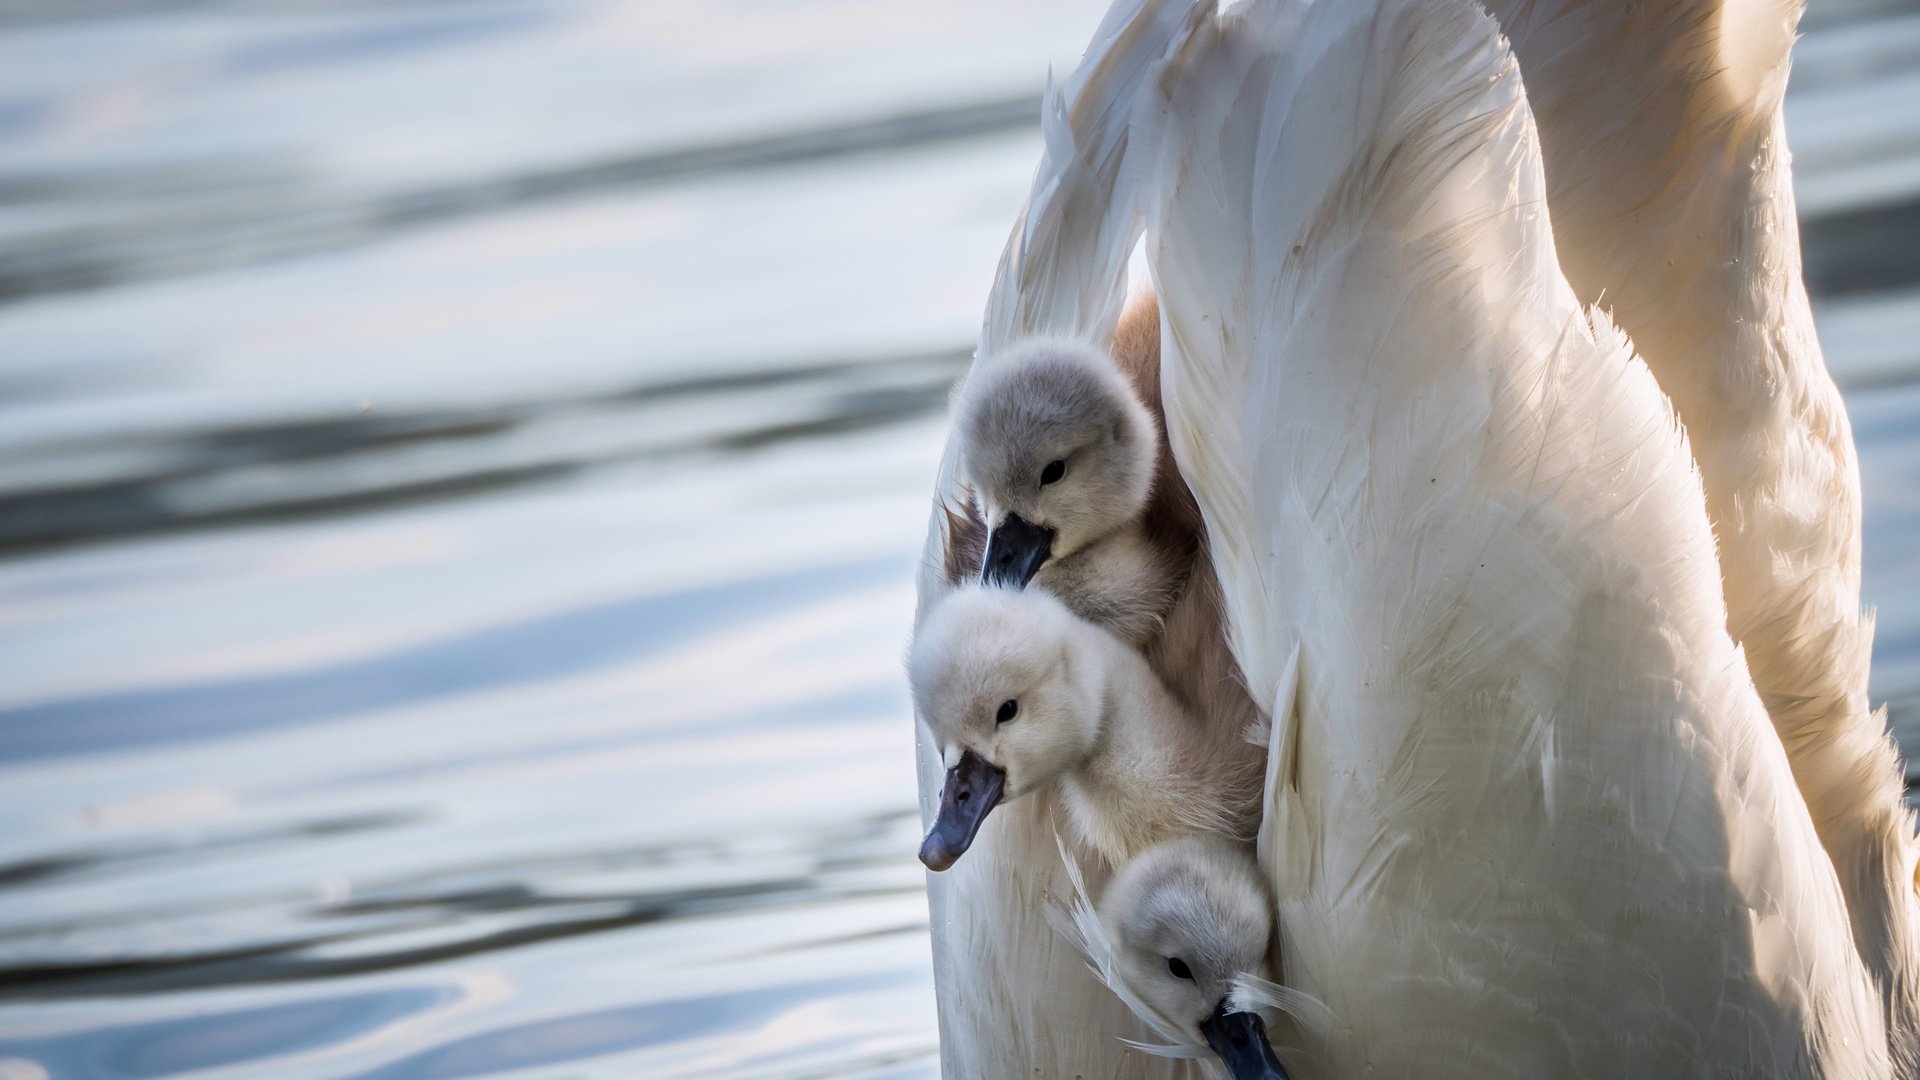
x: 1016, y: 549
x: 973, y: 788
x: 1240, y: 1038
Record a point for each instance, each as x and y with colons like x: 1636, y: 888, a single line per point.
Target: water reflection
x: 189, y: 1044
x: 698, y: 1026
x: 531, y: 650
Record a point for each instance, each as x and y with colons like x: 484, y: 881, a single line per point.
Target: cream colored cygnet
x: 1020, y: 695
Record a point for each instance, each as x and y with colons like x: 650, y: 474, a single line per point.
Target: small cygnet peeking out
x: 1061, y: 457
x: 1177, y: 931
x: 1020, y: 694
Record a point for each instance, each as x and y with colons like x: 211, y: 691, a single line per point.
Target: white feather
x: 1063, y: 272
x: 1297, y: 1021
x: 1252, y: 993
x: 1468, y: 507
x: 1672, y: 197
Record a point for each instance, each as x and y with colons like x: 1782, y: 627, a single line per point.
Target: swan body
x: 1526, y: 814
x: 1670, y: 182
x: 1667, y: 171
x: 1021, y: 695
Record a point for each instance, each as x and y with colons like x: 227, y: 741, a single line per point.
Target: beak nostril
x: 972, y: 789
x: 1015, y: 551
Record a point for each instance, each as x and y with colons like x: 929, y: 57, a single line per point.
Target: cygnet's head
x: 1184, y: 920
x: 996, y: 678
x: 1058, y: 450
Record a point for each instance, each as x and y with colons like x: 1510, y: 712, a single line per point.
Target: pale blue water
x: 461, y: 470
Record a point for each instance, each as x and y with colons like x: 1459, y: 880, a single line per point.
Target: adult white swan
x: 1012, y: 1000
x: 1527, y: 815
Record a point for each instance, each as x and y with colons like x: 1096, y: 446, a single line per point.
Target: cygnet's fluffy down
x: 1020, y: 694
x: 1180, y: 934
x: 1062, y: 458
x: 1123, y: 542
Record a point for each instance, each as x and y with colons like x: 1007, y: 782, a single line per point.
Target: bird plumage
x: 1197, y: 899
x: 1577, y: 693
x: 1529, y: 816
x: 1669, y: 178
x: 1067, y: 411
x: 1088, y: 718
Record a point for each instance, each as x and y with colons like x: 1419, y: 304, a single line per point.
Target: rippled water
x: 461, y: 466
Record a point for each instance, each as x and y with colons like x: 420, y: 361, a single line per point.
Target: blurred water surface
x: 461, y: 469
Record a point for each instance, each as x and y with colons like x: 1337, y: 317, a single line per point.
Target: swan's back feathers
x: 1468, y: 508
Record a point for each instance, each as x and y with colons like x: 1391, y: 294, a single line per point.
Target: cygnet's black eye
x: 1179, y: 968
x: 1053, y: 472
x: 1008, y: 710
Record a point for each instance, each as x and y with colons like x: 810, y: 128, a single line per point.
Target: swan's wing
x: 1534, y: 802
x: 1267, y: 181
x: 1014, y: 998
x: 1063, y: 272
x: 1668, y: 174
